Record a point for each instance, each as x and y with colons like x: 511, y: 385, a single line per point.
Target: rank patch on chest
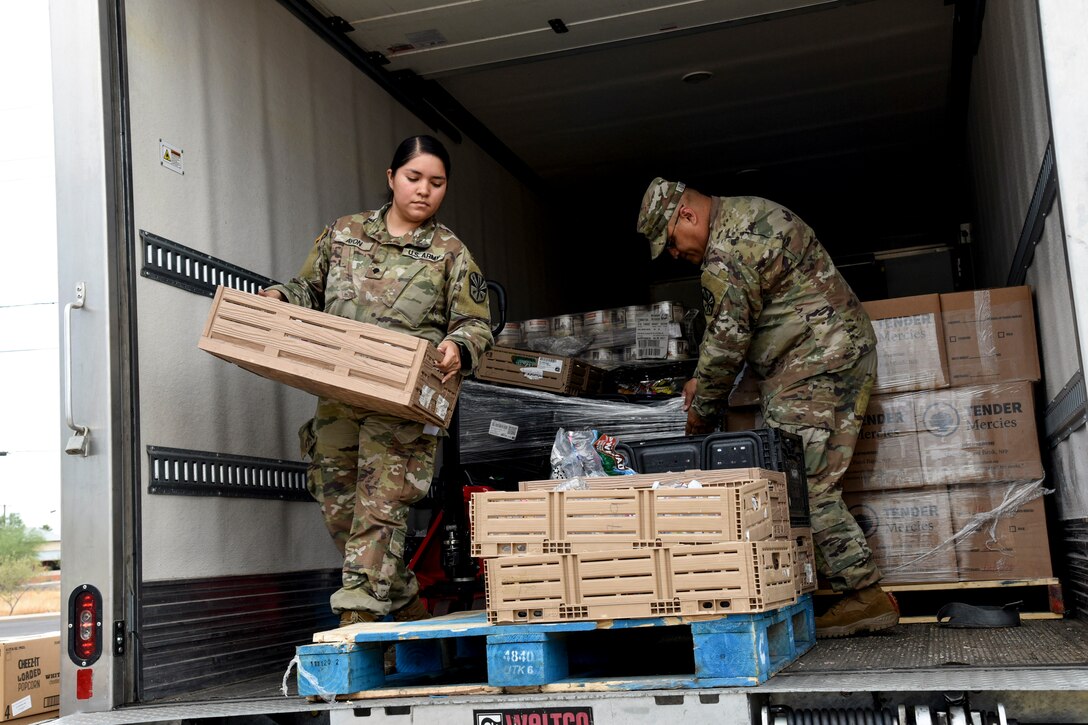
x: 426, y: 256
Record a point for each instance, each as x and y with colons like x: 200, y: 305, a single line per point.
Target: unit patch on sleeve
x: 709, y: 303
x: 477, y: 287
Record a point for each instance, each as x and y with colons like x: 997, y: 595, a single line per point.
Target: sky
x: 30, y: 416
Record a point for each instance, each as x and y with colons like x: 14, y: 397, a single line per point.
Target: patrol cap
x: 658, y: 204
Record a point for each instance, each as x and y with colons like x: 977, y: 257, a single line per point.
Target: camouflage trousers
x: 366, y: 469
x: 827, y: 412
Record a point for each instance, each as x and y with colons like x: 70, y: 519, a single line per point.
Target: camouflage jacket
x: 425, y: 283
x: 772, y: 298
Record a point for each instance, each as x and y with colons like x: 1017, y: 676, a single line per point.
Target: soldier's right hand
x: 689, y: 392
x: 273, y: 293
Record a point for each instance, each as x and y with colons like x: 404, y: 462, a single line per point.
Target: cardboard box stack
x: 944, y: 478
x: 620, y: 548
x: 31, y: 678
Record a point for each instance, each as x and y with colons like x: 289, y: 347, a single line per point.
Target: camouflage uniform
x: 367, y: 468
x: 773, y: 298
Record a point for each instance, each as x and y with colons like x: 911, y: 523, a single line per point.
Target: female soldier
x: 399, y: 268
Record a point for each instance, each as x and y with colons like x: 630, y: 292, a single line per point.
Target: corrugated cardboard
x: 910, y: 344
x: 990, y: 336
x: 526, y: 369
x: 978, y: 434
x: 1011, y: 545
x: 975, y: 434
x: 31, y: 677
x: 909, y: 532
x: 886, y: 454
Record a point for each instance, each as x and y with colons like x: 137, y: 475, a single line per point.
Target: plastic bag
x: 574, y: 456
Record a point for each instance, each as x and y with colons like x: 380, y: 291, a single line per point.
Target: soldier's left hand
x: 698, y: 425
x: 450, y: 364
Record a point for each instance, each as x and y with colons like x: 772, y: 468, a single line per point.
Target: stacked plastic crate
x: 650, y: 545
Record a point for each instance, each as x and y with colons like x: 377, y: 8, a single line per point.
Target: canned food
x: 631, y: 313
x: 510, y: 335
x: 537, y: 328
x: 673, y: 311
x: 678, y: 350
x: 606, y: 354
x: 604, y: 318
x: 567, y: 325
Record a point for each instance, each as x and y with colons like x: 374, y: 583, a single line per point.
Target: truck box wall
x: 1009, y: 127
x: 1062, y: 26
x: 275, y: 146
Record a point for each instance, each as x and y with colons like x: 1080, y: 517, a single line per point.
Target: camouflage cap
x: 658, y: 204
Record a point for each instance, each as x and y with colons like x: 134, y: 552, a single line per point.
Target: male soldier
x: 773, y: 298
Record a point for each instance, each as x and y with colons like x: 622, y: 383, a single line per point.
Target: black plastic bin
x: 769, y: 448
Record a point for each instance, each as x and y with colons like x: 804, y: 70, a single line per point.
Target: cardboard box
x: 910, y: 533
x: 31, y: 678
x: 975, y: 434
x: 1006, y: 544
x: 910, y: 344
x: 886, y: 454
x: 978, y: 434
x: 650, y: 582
x: 990, y: 336
x: 362, y: 365
x: 552, y: 373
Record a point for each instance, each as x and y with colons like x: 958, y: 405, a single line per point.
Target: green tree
x: 18, y: 559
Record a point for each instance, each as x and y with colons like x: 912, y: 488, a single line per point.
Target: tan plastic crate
x: 647, y: 480
x: 780, y: 510
x: 804, y: 558
x: 708, y: 579
x: 362, y: 365
x: 563, y: 522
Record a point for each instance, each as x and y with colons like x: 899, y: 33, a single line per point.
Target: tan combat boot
x: 868, y: 610
x: 356, y: 616
x: 412, y: 611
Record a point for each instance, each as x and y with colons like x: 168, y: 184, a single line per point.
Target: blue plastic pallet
x: 463, y: 648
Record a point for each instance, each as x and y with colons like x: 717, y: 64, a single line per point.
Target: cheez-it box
x: 31, y: 679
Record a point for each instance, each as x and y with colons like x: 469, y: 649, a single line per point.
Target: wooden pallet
x: 362, y: 365
x: 919, y: 603
x: 462, y: 653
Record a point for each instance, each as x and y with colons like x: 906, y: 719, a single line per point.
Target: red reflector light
x: 84, y: 684
x: 86, y: 626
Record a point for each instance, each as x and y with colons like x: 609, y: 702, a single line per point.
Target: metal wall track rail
x: 174, y: 264
x: 181, y: 472
x: 1067, y: 412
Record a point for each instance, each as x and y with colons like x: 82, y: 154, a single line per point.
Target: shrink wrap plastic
x: 991, y: 531
x: 500, y: 423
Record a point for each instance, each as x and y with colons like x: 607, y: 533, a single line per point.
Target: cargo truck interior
x: 913, y: 135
